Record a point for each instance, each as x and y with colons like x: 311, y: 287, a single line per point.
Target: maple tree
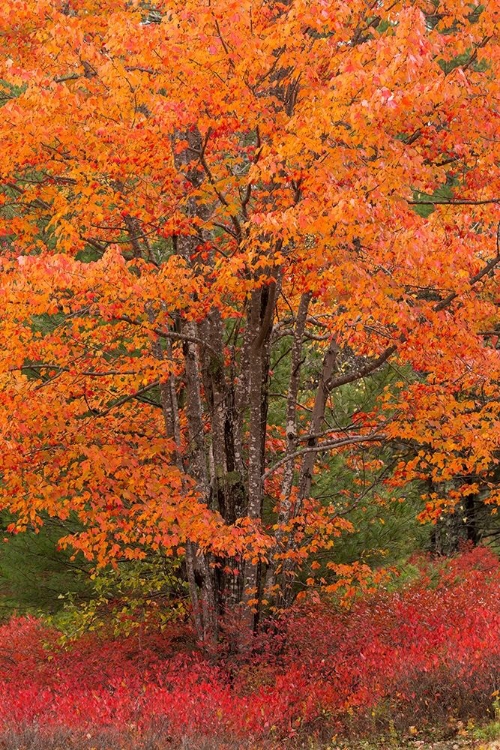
x: 216, y: 216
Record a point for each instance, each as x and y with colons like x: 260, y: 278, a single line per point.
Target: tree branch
x: 465, y: 202
x: 351, y: 377
x: 326, y: 446
x: 173, y: 335
x: 474, y: 279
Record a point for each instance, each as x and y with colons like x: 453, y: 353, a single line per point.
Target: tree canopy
x: 216, y: 218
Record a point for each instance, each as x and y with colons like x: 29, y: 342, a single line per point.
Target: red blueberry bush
x: 418, y: 655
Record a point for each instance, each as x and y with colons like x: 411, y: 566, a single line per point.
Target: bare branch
x: 465, y: 202
x: 351, y: 377
x: 166, y: 334
x: 326, y: 446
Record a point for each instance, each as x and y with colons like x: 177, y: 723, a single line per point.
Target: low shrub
x: 422, y: 656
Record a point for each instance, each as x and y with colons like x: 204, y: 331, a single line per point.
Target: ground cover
x: 405, y: 663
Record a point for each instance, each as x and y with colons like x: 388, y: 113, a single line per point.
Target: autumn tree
x: 216, y: 217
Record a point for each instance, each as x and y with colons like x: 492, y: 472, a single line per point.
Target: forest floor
x: 36, y: 739
x: 456, y: 743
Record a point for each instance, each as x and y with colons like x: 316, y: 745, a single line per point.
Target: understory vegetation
x: 414, y: 659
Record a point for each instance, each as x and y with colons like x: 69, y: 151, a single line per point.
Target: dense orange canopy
x: 188, y: 186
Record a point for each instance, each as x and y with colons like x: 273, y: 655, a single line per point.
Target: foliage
x: 428, y: 653
x: 35, y: 572
x: 134, y: 595
x: 194, y: 192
